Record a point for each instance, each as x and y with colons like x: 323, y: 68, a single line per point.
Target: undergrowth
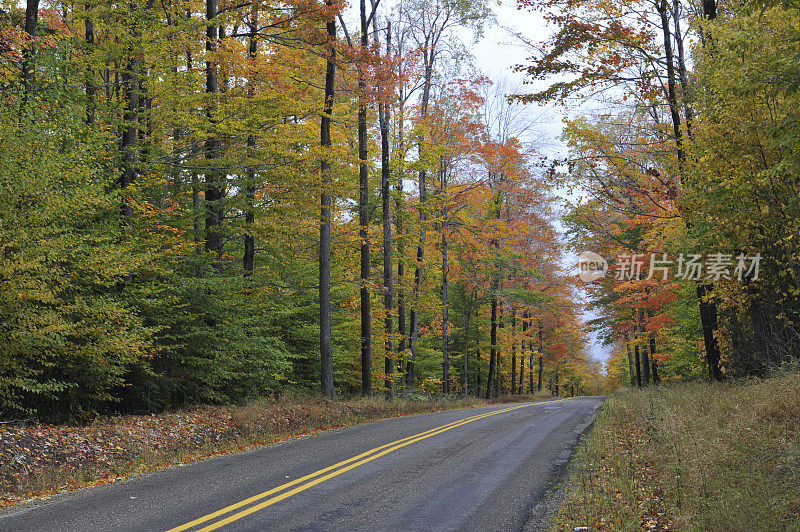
x: 693, y: 456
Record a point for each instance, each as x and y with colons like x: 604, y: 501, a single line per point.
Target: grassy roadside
x: 691, y: 457
x: 39, y: 460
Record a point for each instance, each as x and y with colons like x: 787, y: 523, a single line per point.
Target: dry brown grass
x: 691, y: 457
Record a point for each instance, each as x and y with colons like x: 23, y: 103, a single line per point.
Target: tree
x: 326, y: 341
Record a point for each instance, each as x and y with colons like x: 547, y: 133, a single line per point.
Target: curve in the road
x: 331, y: 471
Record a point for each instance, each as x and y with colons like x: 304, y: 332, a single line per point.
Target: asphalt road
x: 483, y: 469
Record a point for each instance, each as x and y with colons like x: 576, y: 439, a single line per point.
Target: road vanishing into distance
x: 489, y: 468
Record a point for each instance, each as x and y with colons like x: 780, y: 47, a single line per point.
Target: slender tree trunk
x: 477, y: 345
x: 630, y: 360
x: 541, y: 374
x: 498, y: 381
x: 91, y: 89
x: 708, y: 308
x: 644, y: 351
x: 445, y: 287
x: 525, y: 341
x: 514, y: 349
x: 423, y: 198
x: 248, y: 259
x: 399, y: 214
x: 683, y: 76
x: 325, y: 328
x: 28, y: 53
x: 131, y: 90
x: 466, y: 349
x: 363, y: 217
x: 492, y: 377
x: 494, y: 285
x: 638, y: 365
x: 654, y: 364
x: 445, y: 313
x: 386, y: 193
x: 710, y: 13
x: 541, y: 360
x: 413, y: 315
x: 214, y: 188
x: 672, y: 98
x: 196, y: 213
x: 478, y: 373
x: 708, y: 320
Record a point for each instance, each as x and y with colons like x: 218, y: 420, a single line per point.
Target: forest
x: 210, y: 202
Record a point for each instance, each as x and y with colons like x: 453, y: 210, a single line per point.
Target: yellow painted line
x: 384, y: 449
x: 315, y: 474
x: 260, y: 496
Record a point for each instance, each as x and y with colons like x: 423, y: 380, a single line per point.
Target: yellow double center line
x: 327, y: 473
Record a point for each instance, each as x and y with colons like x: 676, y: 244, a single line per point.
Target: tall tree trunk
x: 492, y: 377
x: 521, y: 388
x: 683, y: 76
x: 541, y: 360
x: 414, y: 313
x: 214, y: 187
x: 644, y: 350
x: 654, y: 364
x: 363, y: 217
x: 466, y: 349
x: 540, y: 372
x: 445, y: 313
x: 477, y: 345
x: 196, y: 213
x: 708, y: 321
x: 131, y: 90
x: 399, y: 214
x: 423, y: 198
x: 708, y: 308
x: 248, y: 258
x: 672, y: 98
x: 498, y: 381
x: 514, y: 350
x: 478, y: 373
x: 493, y: 287
x: 630, y: 360
x: 386, y: 191
x: 525, y: 341
x: 325, y: 329
x: 29, y: 52
x: 91, y: 89
x: 638, y: 365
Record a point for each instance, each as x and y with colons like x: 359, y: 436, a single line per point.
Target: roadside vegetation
x: 39, y: 460
x: 691, y: 457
